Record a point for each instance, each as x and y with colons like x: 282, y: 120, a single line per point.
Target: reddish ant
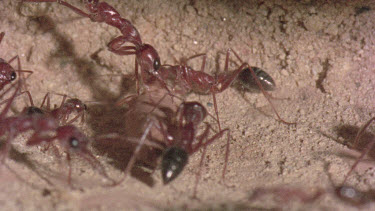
x: 7, y: 72
x: 180, y: 139
x: 146, y: 56
x: 67, y: 107
x: 149, y: 60
x: 190, y: 80
x: 61, y: 113
x: 46, y: 129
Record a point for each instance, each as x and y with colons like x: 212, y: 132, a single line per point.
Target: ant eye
x: 156, y: 64
x: 73, y: 142
x: 13, y: 76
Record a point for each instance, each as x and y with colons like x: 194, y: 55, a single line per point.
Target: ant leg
x: 86, y: 154
x: 201, y: 162
x: 227, y: 61
x: 30, y: 97
x: 2, y: 34
x: 46, y: 99
x: 5, y: 151
x: 204, y: 145
x: 136, y: 152
x: 116, y: 47
x: 11, y: 99
x: 365, y: 152
x: 137, y: 86
x: 125, y: 100
x: 70, y: 169
x: 226, y: 156
x: 216, y: 110
x: 66, y: 4
x: 219, y: 135
x: 267, y: 96
x: 204, y: 55
x: 265, y: 93
x: 63, y: 100
x: 24, y: 92
x: 199, y: 173
x: 80, y: 114
x: 361, y: 131
x: 64, y: 117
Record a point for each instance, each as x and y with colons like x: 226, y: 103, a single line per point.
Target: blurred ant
x: 46, y: 129
x: 286, y: 195
x: 66, y: 108
x: 7, y: 72
x: 60, y: 113
x: 344, y: 192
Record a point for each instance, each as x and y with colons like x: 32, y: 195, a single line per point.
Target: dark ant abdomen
x: 246, y: 82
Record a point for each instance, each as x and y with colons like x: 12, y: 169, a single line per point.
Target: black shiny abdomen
x: 173, y: 162
x: 246, y: 82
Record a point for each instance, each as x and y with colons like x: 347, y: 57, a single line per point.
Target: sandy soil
x: 320, y: 54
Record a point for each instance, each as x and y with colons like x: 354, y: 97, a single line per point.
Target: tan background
x: 321, y: 55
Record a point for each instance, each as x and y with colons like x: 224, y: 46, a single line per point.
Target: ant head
x: 148, y: 58
x: 192, y: 112
x: 72, y: 138
x: 91, y: 4
x: 7, y: 73
x: 77, y: 104
x: 173, y: 162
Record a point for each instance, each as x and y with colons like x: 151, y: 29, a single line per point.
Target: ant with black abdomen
x: 178, y: 138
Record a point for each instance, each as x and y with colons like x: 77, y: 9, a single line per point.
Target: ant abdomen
x: 32, y: 110
x: 173, y: 162
x: 246, y: 81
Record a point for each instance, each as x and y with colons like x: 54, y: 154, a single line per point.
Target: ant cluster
x: 177, y: 127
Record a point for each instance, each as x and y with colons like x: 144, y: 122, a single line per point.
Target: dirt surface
x: 321, y: 55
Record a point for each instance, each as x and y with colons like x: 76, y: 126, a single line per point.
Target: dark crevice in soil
x: 323, y: 75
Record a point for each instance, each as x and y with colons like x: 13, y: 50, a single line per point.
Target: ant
x: 61, y: 113
x: 146, y: 56
x: 67, y: 107
x: 180, y: 139
x: 345, y: 193
x: 46, y: 129
x: 7, y: 72
x: 149, y: 61
x: 190, y: 80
